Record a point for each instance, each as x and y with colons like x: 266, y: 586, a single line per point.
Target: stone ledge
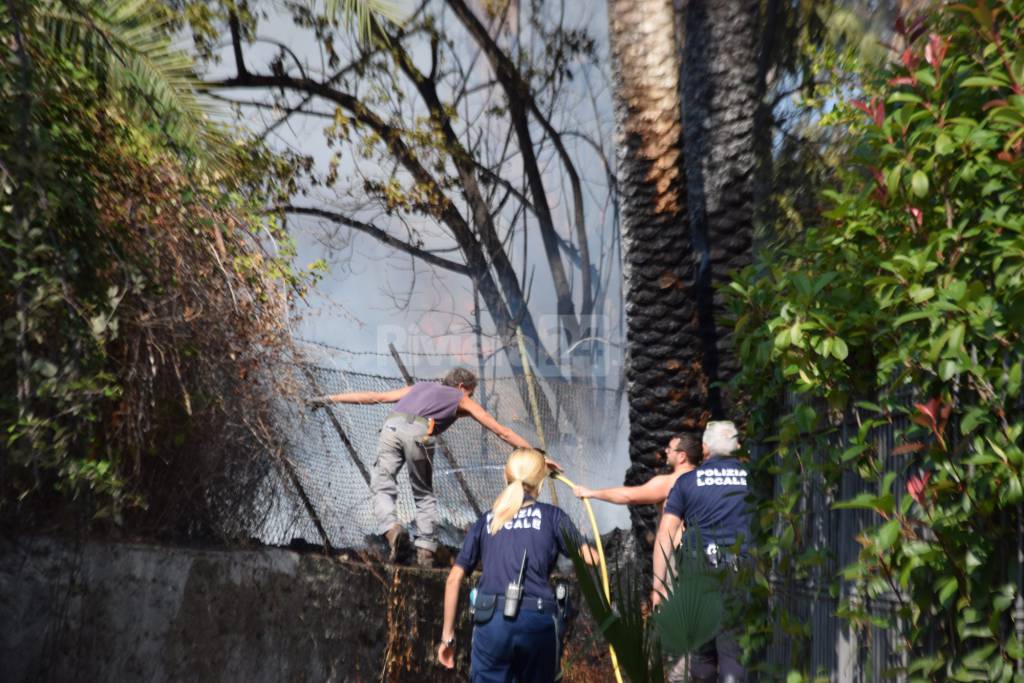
x: 142, y: 612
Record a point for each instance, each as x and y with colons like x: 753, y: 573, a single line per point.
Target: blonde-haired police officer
x: 513, y: 642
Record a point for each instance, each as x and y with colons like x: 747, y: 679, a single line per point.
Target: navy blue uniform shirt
x: 712, y: 498
x: 538, y: 528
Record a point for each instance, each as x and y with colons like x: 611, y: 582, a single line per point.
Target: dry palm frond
x: 365, y: 16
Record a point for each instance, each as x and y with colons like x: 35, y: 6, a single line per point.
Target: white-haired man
x: 712, y: 499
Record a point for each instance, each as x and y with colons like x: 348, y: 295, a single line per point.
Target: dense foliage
x: 904, y: 305
x: 140, y: 308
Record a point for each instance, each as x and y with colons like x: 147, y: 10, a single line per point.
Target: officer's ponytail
x: 525, y: 469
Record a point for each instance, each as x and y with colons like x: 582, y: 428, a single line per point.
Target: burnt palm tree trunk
x: 721, y: 92
x: 665, y: 380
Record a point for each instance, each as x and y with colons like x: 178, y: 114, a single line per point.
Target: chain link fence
x: 322, y: 489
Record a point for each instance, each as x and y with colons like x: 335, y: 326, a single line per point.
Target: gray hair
x: 721, y: 438
x: 457, y: 376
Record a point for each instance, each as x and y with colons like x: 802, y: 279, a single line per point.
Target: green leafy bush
x: 906, y: 301
x: 140, y: 312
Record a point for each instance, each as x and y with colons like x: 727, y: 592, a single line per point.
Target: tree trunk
x: 720, y: 102
x: 665, y: 380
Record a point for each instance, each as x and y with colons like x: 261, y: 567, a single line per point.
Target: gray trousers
x: 718, y: 661
x: 403, y: 442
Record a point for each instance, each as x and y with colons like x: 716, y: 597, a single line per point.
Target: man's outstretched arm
x: 653, y: 492
x: 476, y: 411
x: 362, y: 397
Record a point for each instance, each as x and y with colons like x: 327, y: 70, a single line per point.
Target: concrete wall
x: 126, y: 612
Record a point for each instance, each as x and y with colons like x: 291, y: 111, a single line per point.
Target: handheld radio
x: 514, y: 592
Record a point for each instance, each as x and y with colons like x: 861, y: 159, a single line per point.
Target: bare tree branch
x: 519, y: 98
x: 236, y: 44
x: 482, y: 218
x: 378, y: 234
x: 476, y: 262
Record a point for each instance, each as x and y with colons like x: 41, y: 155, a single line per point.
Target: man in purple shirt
x: 422, y: 411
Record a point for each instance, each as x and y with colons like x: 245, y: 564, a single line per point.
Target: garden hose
x: 601, y: 562
x: 532, y: 392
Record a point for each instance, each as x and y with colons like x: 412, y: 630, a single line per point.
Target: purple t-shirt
x: 433, y: 401
x: 536, y: 528
x: 712, y: 498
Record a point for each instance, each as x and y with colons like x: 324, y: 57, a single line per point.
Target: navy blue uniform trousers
x: 524, y: 649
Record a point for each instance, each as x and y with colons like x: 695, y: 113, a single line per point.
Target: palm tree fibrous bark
x: 666, y: 383
x: 720, y: 100
x: 686, y: 96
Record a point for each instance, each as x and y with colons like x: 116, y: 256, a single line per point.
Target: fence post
x: 531, y: 390
x: 339, y: 429
x: 306, y: 501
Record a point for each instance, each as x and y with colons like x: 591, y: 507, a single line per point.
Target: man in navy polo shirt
x: 712, y: 499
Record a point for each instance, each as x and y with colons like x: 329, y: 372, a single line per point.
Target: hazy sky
x: 374, y: 294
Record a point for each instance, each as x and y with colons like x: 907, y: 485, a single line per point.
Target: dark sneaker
x: 424, y: 558
x: 398, y: 540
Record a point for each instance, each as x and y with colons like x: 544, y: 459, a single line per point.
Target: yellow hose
x: 532, y: 393
x: 603, y: 565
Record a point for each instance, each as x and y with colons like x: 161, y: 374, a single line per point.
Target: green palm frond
x: 623, y: 624
x: 127, y: 44
x: 365, y: 16
x: 691, y: 613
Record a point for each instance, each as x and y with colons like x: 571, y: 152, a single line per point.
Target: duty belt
x: 718, y: 557
x: 427, y: 422
x: 531, y: 603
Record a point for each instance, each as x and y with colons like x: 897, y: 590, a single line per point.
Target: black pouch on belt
x: 566, y: 609
x: 483, y: 608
